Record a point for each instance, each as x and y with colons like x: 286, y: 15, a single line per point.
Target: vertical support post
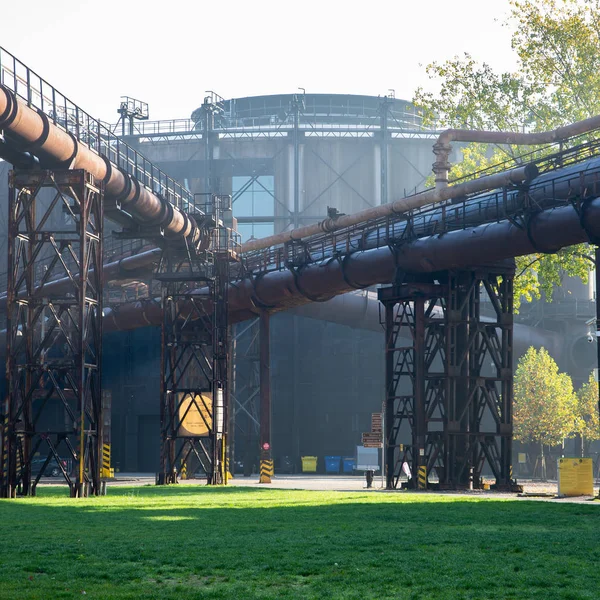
x: 169, y: 383
x: 458, y: 319
x: 419, y: 433
x: 54, y: 340
x: 207, y: 135
x: 220, y: 362
x: 266, y: 457
x: 505, y: 373
x: 232, y: 377
x: 384, y: 133
x: 390, y: 422
x: 296, y: 109
x: 597, y: 276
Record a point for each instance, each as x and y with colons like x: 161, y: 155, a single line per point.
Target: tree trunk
x: 579, y: 445
x: 543, y: 462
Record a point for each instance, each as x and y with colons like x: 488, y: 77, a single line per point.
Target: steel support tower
x: 449, y: 384
x: 195, y: 354
x: 53, y: 408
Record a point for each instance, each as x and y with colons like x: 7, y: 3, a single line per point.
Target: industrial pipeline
x: 557, y: 209
x: 442, y: 147
x: 30, y: 132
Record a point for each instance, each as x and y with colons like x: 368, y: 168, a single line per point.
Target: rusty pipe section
x: 356, y: 310
x: 32, y: 132
x: 442, y: 147
x: 547, y: 231
x: 403, y: 205
x: 118, y: 269
x: 359, y: 310
x: 486, y: 244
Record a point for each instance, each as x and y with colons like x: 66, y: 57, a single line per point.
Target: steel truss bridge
x: 448, y: 368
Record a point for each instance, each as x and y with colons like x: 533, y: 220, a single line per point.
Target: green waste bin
x: 309, y: 464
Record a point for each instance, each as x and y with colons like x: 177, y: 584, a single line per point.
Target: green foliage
x: 557, y: 43
x: 544, y: 405
x: 588, y: 422
x: 541, y: 273
x: 190, y: 541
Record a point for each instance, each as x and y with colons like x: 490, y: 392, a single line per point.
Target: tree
x: 544, y: 409
x: 557, y: 46
x: 588, y: 421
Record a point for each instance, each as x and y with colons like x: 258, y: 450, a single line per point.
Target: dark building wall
x: 327, y: 379
x: 131, y: 371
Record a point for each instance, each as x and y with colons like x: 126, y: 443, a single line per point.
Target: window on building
x: 254, y: 198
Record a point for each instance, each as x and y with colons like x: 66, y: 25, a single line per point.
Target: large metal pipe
x: 32, y: 131
x: 361, y: 310
x: 404, y: 205
x: 119, y: 269
x: 546, y: 191
x: 486, y: 244
x: 442, y: 147
x: 357, y: 310
x: 547, y: 231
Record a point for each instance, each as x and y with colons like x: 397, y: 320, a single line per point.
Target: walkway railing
x: 39, y: 94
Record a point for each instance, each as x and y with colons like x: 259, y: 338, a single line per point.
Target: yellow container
x: 309, y: 464
x: 575, y: 477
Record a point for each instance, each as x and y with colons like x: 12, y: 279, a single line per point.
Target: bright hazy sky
x: 168, y: 53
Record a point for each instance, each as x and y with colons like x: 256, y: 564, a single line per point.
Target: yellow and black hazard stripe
x: 422, y: 481
x: 183, y: 471
x: 266, y: 471
x: 105, y: 471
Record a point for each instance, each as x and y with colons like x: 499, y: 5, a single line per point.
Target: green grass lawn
x: 195, y: 542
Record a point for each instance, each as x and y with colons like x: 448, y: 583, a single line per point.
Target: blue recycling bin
x: 332, y: 464
x: 348, y: 465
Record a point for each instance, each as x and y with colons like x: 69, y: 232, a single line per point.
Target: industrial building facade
x: 286, y: 160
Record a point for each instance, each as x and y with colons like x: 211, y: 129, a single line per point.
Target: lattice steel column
x: 410, y: 404
x: 195, y: 356
x: 449, y: 379
x: 186, y: 410
x: 480, y: 373
x: 220, y: 383
x: 54, y: 341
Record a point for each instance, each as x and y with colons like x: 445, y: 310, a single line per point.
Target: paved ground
x: 535, y: 490
x: 532, y: 489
